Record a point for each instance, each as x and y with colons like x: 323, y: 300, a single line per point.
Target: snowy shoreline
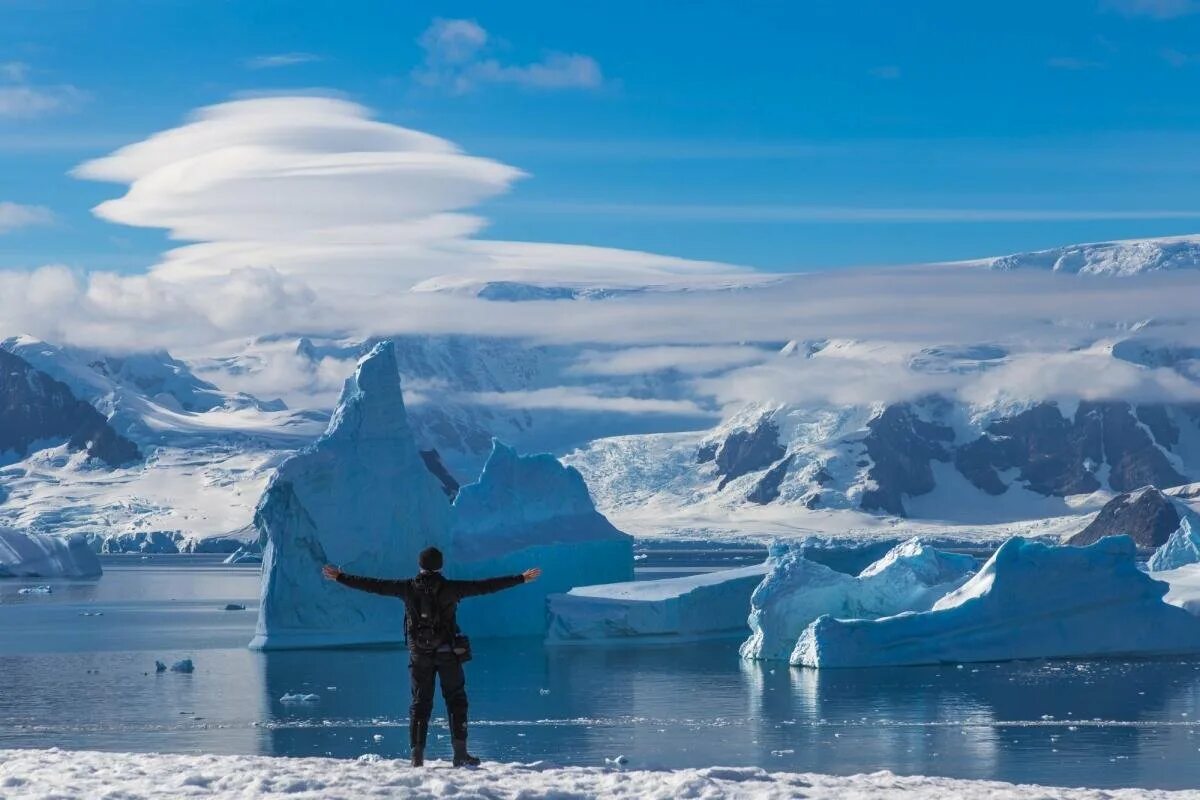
x: 86, y: 774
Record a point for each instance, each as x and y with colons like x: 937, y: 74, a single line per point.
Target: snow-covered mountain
x: 1117, y: 259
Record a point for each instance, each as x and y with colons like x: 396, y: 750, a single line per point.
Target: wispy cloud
x: 889, y: 72
x: 281, y: 60
x: 1155, y: 9
x: 20, y: 99
x: 15, y: 215
x: 456, y: 59
x: 1177, y: 58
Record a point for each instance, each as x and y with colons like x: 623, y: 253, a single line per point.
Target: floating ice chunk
x: 911, y: 576
x: 184, y: 665
x: 696, y: 606
x: 37, y: 555
x: 160, y: 666
x: 359, y: 497
x: 300, y: 697
x: 41, y: 589
x: 1181, y: 549
x: 234, y: 607
x: 1031, y: 600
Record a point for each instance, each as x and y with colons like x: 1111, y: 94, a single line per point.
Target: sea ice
x: 1031, y: 600
x: 696, y: 606
x: 36, y: 555
x: 41, y: 589
x: 911, y: 576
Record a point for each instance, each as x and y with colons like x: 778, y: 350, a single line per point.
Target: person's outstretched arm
x: 489, y: 585
x: 373, y: 585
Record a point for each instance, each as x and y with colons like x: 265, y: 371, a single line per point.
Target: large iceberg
x: 526, y: 511
x: 363, y: 498
x: 911, y: 576
x: 34, y: 555
x: 1181, y: 548
x: 360, y: 497
x: 697, y: 606
x: 1031, y: 600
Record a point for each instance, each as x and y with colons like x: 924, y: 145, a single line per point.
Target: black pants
x: 422, y: 669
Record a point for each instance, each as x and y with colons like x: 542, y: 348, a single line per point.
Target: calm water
x: 77, y: 681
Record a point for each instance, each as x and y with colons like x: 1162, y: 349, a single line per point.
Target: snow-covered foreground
x: 87, y: 774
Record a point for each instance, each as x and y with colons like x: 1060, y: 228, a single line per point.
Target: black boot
x: 418, y: 730
x: 461, y: 757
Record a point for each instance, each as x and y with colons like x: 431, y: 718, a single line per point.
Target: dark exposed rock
x: 823, y: 478
x: 1052, y: 453
x: 901, y: 446
x: 1156, y: 418
x: 743, y: 452
x: 767, y: 488
x: 433, y: 462
x: 1133, y: 459
x: 1147, y: 515
x: 34, y: 408
x: 1058, y: 456
x: 706, y: 453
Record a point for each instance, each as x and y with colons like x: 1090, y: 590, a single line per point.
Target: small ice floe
x: 371, y: 757
x: 160, y: 666
x: 378, y: 737
x: 782, y: 752
x: 91, y: 613
x: 640, y: 557
x: 234, y: 607
x: 42, y: 589
x: 618, y: 760
x: 184, y: 665
x: 543, y: 691
x: 300, y: 697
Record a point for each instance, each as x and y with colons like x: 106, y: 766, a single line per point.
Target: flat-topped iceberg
x: 697, y: 606
x: 360, y: 497
x: 1031, y: 600
x: 364, y: 499
x: 525, y: 511
x: 911, y: 576
x: 35, y: 555
x: 1181, y: 548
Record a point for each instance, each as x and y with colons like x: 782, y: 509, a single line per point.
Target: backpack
x: 427, y: 629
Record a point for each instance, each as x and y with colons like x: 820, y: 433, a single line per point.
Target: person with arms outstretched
x: 437, y: 648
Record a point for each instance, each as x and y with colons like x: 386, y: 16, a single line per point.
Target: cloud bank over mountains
x: 307, y: 215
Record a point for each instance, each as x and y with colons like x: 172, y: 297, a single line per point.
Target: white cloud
x: 20, y: 99
x: 15, y: 215
x: 685, y: 359
x: 1155, y: 9
x: 455, y: 60
x: 573, y: 398
x: 14, y: 71
x: 277, y: 60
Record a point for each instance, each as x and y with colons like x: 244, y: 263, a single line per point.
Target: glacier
x: 362, y: 497
x: 1031, y: 600
x: 912, y: 576
x: 707, y: 605
x: 33, y: 555
x: 1181, y: 548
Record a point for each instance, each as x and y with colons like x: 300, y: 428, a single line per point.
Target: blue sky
x: 776, y: 135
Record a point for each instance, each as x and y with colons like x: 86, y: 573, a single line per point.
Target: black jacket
x: 448, y: 594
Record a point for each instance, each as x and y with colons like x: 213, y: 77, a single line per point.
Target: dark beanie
x: 430, y: 559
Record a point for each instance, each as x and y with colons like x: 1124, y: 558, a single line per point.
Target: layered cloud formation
x: 306, y: 215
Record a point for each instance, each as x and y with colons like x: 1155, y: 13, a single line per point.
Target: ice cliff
x: 693, y: 607
x: 32, y: 555
x: 1031, y: 600
x: 1181, y: 548
x: 911, y: 576
x: 363, y: 498
x: 360, y: 497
